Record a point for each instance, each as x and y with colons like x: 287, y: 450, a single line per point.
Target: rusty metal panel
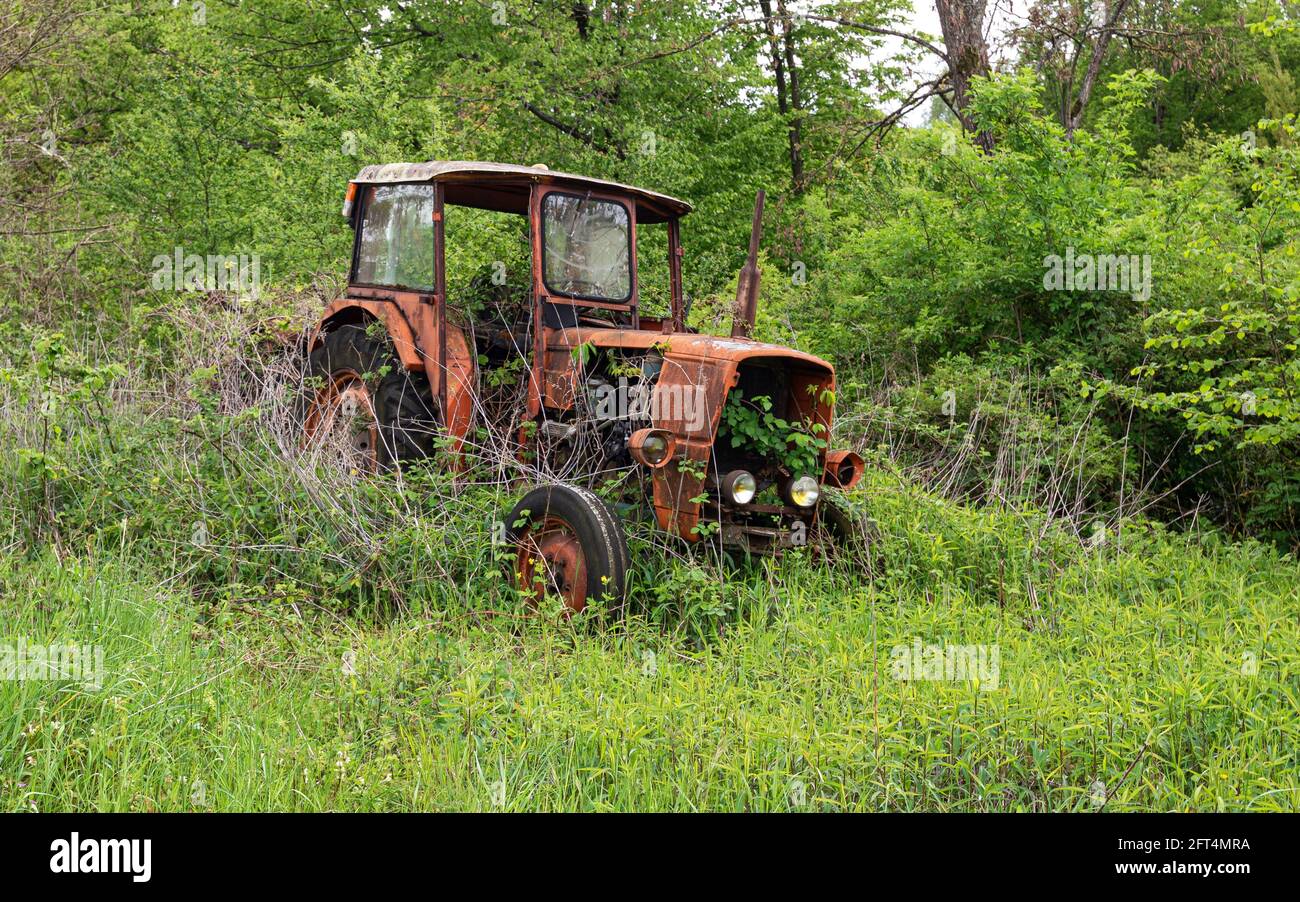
x: 674, y: 491
x: 561, y: 378
x: 405, y: 340
x: 413, y: 327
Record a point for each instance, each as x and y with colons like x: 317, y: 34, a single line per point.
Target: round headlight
x: 652, y: 448
x: 655, y: 449
x: 739, y: 487
x: 804, y: 491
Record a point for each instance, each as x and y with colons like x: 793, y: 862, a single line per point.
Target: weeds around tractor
x: 343, y: 643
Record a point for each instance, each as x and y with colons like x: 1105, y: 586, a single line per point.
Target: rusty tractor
x: 716, y: 438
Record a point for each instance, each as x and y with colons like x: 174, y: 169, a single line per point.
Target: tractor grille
x: 757, y: 379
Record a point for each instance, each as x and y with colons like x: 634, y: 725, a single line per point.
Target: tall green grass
x: 1152, y: 672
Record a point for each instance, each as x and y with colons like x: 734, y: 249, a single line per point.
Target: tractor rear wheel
x: 568, y: 542
x: 365, y: 406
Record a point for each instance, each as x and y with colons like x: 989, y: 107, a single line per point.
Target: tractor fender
x: 462, y: 365
x: 357, y: 311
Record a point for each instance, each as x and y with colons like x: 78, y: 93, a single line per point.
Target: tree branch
x: 574, y: 132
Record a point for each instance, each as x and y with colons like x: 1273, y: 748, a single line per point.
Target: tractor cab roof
x: 505, y: 187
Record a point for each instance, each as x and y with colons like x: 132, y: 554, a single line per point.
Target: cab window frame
x: 363, y: 207
x: 629, y: 299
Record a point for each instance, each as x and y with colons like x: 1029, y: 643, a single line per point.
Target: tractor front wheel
x: 568, y: 543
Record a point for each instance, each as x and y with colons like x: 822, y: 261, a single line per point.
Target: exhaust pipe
x: 742, y: 321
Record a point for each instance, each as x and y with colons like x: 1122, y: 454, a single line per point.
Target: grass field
x: 1154, y: 671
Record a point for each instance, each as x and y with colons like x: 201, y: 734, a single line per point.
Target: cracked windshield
x: 587, y: 247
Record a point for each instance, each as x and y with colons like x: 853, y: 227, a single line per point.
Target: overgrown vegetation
x: 750, y: 423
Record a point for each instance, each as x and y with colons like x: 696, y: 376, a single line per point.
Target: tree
x: 1075, y: 45
x: 784, y: 68
x: 966, y: 52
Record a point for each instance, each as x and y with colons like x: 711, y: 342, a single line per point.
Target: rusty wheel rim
x: 549, y: 560
x: 341, y: 422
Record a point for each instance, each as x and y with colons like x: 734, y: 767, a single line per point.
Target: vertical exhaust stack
x: 742, y: 321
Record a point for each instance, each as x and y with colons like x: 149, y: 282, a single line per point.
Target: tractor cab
x: 576, y: 267
x: 581, y: 233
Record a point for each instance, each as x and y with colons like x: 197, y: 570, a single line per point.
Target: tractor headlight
x: 655, y: 448
x: 803, y: 492
x: 739, y: 487
x: 652, y: 447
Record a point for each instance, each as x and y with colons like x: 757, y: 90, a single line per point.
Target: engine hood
x: 704, y: 367
x: 697, y: 374
x: 688, y: 345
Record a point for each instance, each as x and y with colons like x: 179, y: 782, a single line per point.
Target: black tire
x: 596, y: 529
x: 405, y: 411
x: 620, y: 546
x: 846, y: 530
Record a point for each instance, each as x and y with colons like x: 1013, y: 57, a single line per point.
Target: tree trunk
x: 796, y: 105
x: 1097, y: 53
x: 787, y: 97
x: 962, y: 22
